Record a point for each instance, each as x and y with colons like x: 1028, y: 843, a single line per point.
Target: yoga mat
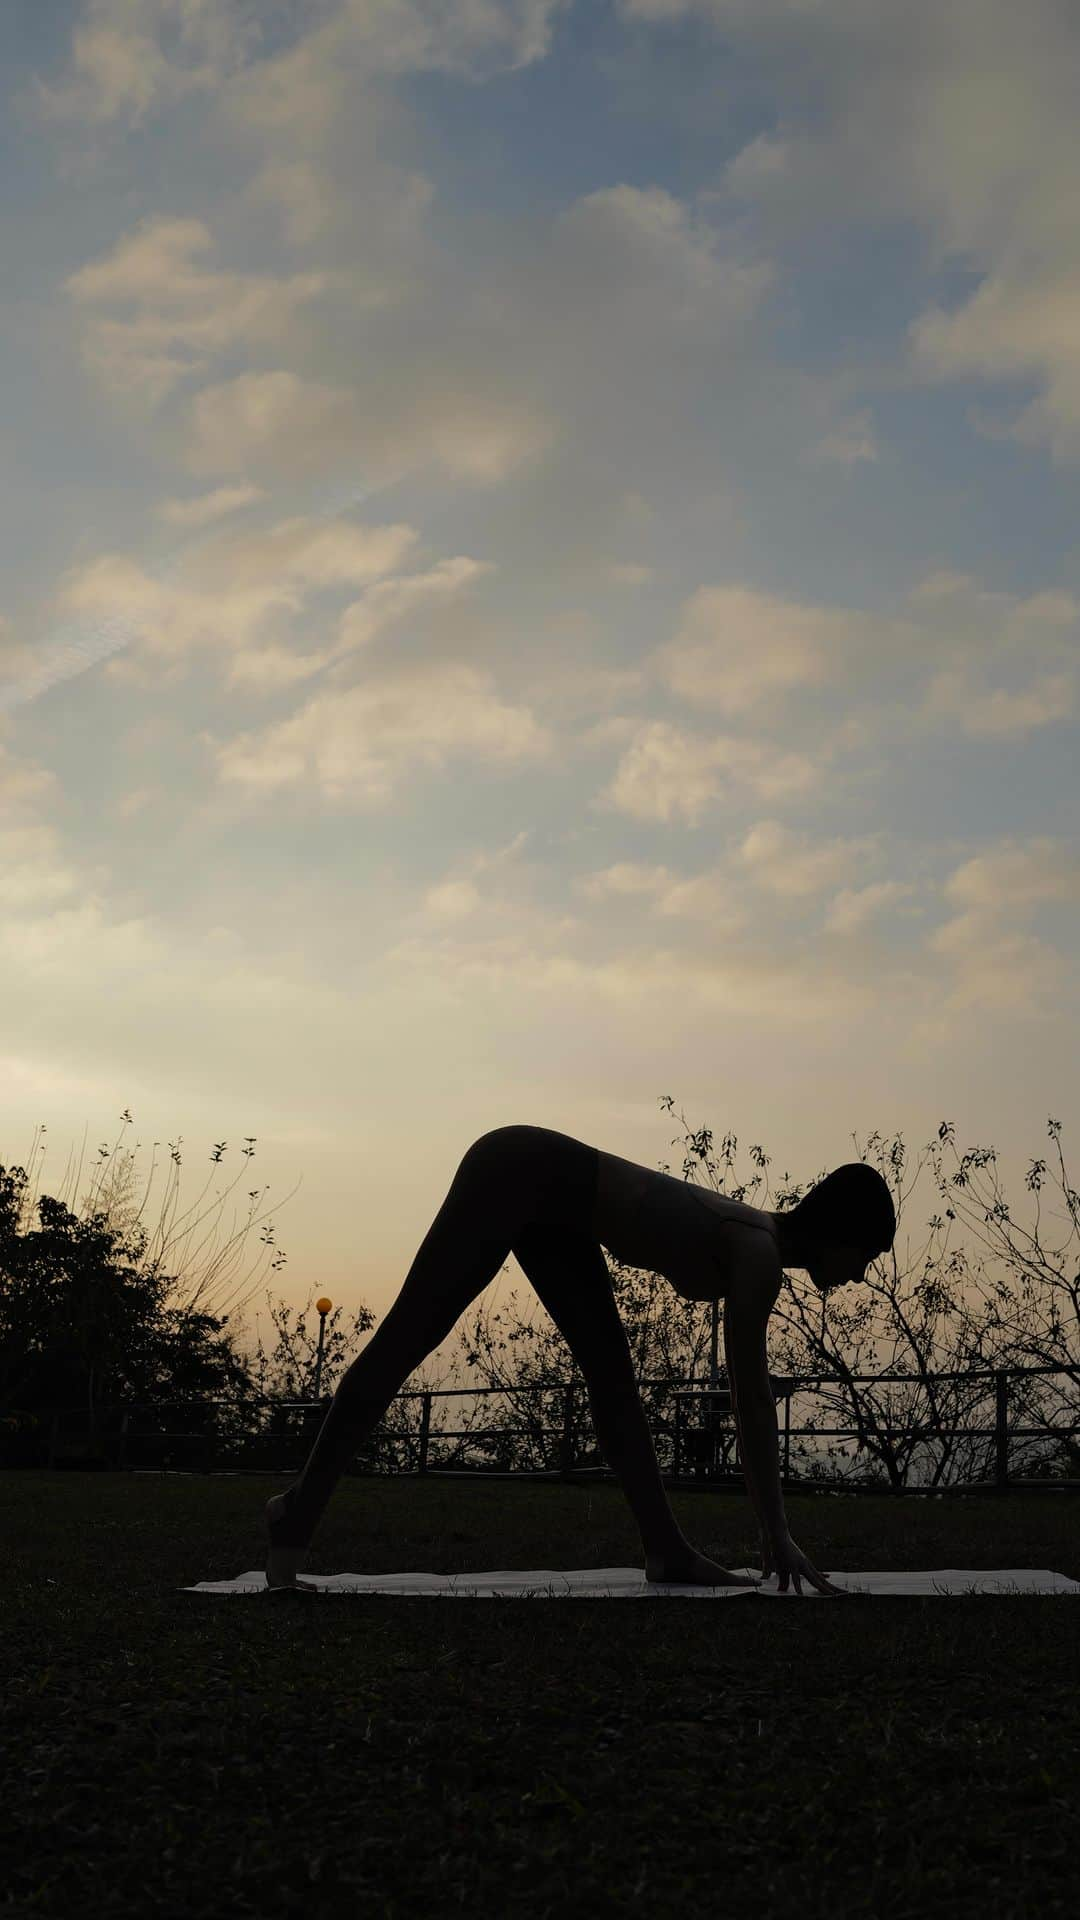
x: 629, y: 1583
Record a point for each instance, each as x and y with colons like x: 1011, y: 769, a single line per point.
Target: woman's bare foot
x: 282, y: 1561
x: 693, y: 1571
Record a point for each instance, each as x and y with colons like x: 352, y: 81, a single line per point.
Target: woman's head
x: 839, y: 1226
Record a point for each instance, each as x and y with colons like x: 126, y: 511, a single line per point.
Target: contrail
x: 80, y: 645
x: 73, y: 650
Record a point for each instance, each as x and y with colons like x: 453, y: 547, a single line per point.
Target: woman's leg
x: 508, y: 1177
x: 568, y: 1271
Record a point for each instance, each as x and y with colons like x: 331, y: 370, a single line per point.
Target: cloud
x: 536, y: 962
x: 995, y: 961
x: 849, y: 442
x: 1016, y: 876
x: 960, y: 118
x: 614, y: 345
x: 32, y: 875
x: 302, y: 552
x: 21, y: 785
x: 854, y: 907
x: 636, y: 257
x: 130, y: 58
x: 287, y: 427
x: 309, y: 199
x: 458, y: 897
x: 1007, y: 972
x: 705, y: 897
x: 393, y: 600
x: 735, y: 13
x: 997, y: 712
x: 358, y: 748
x: 625, y: 879
x: 736, y: 648
x: 225, y: 597
x: 630, y: 574
x: 154, y: 1002
x: 72, y: 647
x: 452, y: 900
x: 988, y: 640
x: 298, y: 90
x: 575, y: 332
x: 763, y: 161
x: 208, y: 506
x: 185, y: 315
x: 1018, y: 326
x: 788, y: 863
x: 389, y: 602
x: 668, y: 775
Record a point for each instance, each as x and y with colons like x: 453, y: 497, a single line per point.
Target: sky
x: 540, y: 571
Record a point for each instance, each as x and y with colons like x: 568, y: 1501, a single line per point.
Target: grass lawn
x: 172, y: 1753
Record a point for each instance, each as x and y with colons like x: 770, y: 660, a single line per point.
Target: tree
x: 913, y: 1318
x: 668, y: 1339
x: 86, y: 1318
x: 288, y: 1374
x: 1036, y: 1321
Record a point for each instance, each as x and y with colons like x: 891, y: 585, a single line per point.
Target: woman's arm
x: 744, y: 1462
x: 752, y: 1488
x: 761, y: 1461
x: 750, y: 1297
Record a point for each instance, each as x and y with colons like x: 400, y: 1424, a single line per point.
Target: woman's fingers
x: 807, y: 1571
x: 824, y: 1585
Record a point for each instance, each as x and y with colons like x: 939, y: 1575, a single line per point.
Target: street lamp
x: 322, y: 1308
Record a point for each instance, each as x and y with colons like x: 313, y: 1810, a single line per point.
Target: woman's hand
x: 783, y: 1557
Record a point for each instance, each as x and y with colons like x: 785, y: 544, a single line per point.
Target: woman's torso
x: 694, y: 1237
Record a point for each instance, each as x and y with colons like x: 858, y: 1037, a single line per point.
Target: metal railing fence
x: 124, y: 1430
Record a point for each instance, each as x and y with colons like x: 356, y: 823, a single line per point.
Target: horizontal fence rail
x: 703, y: 1431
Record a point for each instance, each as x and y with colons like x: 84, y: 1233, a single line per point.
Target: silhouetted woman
x: 554, y: 1203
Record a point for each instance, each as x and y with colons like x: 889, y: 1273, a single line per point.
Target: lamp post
x: 322, y: 1308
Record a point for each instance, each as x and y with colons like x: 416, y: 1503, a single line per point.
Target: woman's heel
x: 283, y: 1560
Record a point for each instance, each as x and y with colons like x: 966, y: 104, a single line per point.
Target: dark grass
x: 167, y: 1752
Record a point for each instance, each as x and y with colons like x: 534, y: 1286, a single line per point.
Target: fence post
x: 1001, y: 1384
x: 566, y: 1450
x: 787, y: 1433
x: 425, y: 1427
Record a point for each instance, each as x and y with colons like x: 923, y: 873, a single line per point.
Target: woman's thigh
x: 571, y: 1279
